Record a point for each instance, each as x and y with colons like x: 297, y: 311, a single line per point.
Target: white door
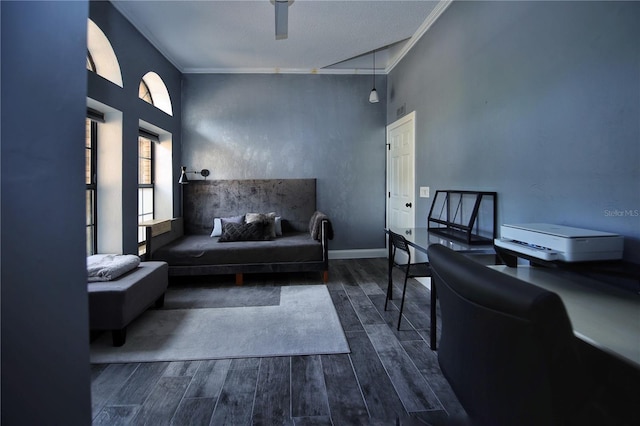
x: 401, y: 182
x: 401, y: 176
x: 401, y: 173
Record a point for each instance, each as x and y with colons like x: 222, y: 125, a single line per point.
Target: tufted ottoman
x: 114, y: 304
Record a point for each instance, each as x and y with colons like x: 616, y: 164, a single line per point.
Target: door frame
x: 411, y: 117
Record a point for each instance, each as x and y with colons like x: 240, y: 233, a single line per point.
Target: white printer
x: 556, y: 242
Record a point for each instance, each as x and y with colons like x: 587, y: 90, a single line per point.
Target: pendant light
x: 373, y: 96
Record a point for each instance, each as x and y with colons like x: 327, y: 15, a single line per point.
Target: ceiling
x: 324, y: 36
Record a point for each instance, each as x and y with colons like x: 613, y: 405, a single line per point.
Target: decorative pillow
x: 217, y: 227
x: 268, y: 219
x: 253, y: 231
x: 278, y: 226
x: 232, y: 219
x: 217, y: 224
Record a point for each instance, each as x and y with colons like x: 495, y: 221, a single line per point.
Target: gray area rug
x: 192, y: 296
x: 304, y: 322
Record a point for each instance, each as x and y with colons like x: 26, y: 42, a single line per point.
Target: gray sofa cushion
x: 193, y: 250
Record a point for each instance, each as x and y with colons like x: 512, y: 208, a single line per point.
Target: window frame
x: 146, y: 95
x: 91, y: 187
x: 152, y: 138
x: 91, y: 64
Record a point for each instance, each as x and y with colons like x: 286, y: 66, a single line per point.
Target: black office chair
x: 411, y: 270
x: 507, y: 347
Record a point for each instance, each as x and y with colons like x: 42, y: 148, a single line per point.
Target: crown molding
x: 431, y: 19
x: 326, y: 71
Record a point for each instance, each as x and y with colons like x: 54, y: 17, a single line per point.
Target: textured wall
x: 292, y: 199
x: 295, y: 126
x: 539, y: 101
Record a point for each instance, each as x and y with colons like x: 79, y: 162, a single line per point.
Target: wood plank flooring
x: 390, y: 377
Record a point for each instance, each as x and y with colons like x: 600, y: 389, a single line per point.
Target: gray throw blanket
x: 107, y: 267
x: 316, y: 223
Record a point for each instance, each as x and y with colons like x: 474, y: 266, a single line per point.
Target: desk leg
x: 434, y: 317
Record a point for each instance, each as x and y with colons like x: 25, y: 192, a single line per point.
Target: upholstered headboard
x: 292, y: 199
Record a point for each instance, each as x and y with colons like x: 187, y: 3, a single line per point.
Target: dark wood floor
x: 388, y: 376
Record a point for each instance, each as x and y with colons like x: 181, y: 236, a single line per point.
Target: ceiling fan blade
x: 282, y: 19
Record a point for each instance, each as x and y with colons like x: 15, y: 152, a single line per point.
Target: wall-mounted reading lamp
x: 185, y: 180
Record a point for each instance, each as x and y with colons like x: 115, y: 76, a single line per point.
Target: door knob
x: 408, y: 205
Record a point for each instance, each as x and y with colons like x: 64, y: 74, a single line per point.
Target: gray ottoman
x: 114, y: 304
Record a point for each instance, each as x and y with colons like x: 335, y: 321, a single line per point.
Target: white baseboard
x: 357, y: 254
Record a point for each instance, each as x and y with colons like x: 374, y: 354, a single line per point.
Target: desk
x: 603, y: 316
x: 421, y: 239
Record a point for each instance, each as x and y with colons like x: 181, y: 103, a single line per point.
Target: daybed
x: 189, y: 248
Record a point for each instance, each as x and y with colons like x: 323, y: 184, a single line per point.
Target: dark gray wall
x: 539, y: 101
x: 295, y: 126
x: 45, y: 336
x: 136, y: 57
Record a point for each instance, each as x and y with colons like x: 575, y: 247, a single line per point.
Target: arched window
x: 101, y: 55
x: 152, y: 84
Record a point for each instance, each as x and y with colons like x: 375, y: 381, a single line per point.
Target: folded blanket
x: 316, y: 224
x: 107, y: 267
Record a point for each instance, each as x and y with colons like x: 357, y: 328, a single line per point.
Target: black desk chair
x: 411, y: 270
x: 507, y: 347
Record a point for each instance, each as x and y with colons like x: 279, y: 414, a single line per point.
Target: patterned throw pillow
x: 243, y: 232
x: 218, y: 222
